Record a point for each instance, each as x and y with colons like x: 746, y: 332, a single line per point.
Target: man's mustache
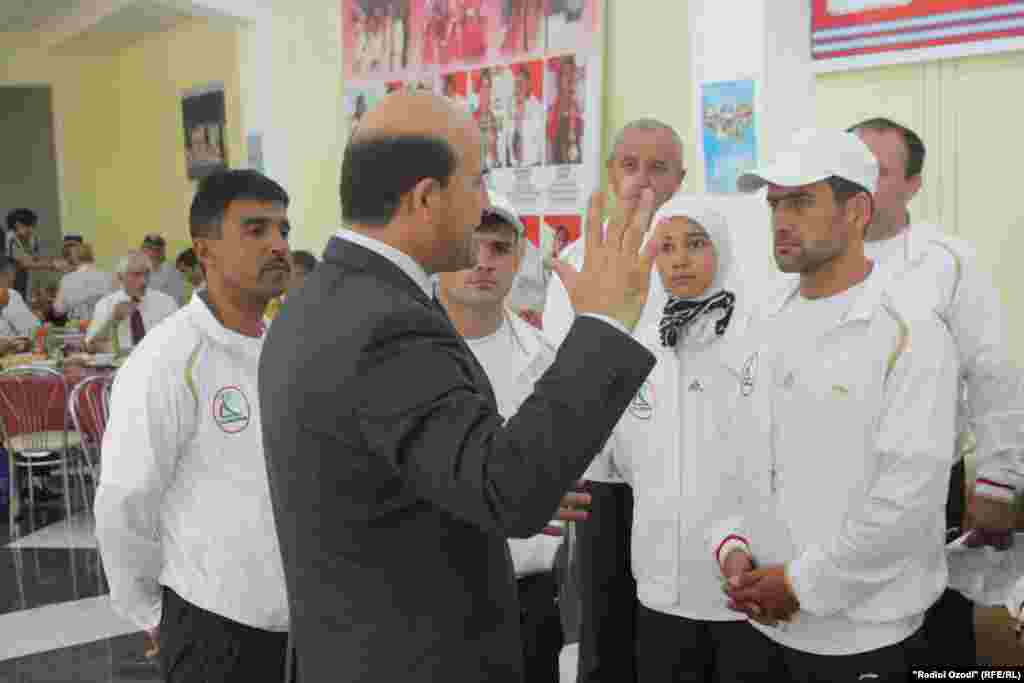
x: 279, y: 264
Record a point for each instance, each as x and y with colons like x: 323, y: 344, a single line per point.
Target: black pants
x: 197, y: 646
x: 949, y: 623
x: 672, y: 649
x: 541, y: 627
x: 608, y: 604
x: 891, y: 664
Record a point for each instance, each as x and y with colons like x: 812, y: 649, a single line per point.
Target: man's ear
x: 203, y: 251
x: 860, y: 209
x: 915, y: 186
x: 426, y: 196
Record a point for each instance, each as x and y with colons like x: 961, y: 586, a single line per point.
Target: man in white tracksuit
x: 843, y: 433
x: 514, y: 355
x: 945, y: 273
x: 646, y: 153
x: 183, y: 513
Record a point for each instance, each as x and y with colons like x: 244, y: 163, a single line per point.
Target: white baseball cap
x: 812, y: 156
x: 502, y: 208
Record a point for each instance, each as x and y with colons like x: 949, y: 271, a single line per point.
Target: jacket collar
x: 357, y: 255
x: 863, y: 306
x: 201, y: 315
x: 407, y: 264
x: 919, y: 236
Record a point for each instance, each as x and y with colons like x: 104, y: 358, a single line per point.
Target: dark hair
x: 844, y: 190
x: 187, y: 258
x: 23, y: 216
x: 7, y: 264
x: 912, y: 141
x: 492, y: 222
x: 304, y: 260
x: 377, y: 171
x: 217, y: 190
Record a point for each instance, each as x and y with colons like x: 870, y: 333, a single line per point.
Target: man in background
x: 83, y: 288
x: 646, y: 154
x: 131, y: 311
x: 16, y: 320
x: 514, y: 355
x: 945, y: 273
x: 303, y: 264
x: 23, y: 247
x: 190, y: 268
x: 164, y: 277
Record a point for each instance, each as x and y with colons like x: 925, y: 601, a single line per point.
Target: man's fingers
x: 592, y: 234
x: 618, y: 224
x: 567, y: 273
x: 639, y: 223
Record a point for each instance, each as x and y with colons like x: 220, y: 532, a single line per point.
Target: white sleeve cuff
x: 994, y: 490
x: 731, y: 543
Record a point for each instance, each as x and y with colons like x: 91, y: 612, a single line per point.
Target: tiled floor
x: 56, y: 622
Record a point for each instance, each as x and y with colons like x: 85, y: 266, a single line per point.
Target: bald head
x: 408, y: 137
x: 413, y: 176
x: 413, y: 113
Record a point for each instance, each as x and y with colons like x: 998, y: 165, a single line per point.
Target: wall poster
x: 859, y: 33
x: 205, y: 129
x: 529, y: 71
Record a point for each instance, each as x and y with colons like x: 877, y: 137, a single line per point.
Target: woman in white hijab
x: 665, y: 448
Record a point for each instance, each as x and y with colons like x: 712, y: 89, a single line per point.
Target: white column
x: 768, y: 42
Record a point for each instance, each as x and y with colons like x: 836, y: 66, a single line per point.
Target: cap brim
x: 752, y: 182
x: 508, y: 217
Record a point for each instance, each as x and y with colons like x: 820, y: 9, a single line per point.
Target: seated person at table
x: 16, y: 320
x: 130, y: 311
x: 188, y: 265
x: 82, y: 289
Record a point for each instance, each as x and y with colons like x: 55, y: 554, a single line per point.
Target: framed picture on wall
x: 205, y: 130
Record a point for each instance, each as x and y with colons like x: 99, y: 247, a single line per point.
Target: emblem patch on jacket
x: 642, y: 406
x: 749, y: 375
x: 231, y: 410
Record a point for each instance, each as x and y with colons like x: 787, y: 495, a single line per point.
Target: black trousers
x: 608, y: 604
x: 891, y: 664
x: 197, y: 646
x: 949, y: 623
x: 541, y: 627
x: 672, y: 649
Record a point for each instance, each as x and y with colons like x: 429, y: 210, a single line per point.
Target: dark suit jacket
x: 395, y: 483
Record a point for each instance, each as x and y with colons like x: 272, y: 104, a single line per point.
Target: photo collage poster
x: 529, y: 72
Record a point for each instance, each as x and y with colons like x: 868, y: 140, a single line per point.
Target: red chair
x: 34, y: 424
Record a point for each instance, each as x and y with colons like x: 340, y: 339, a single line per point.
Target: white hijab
x: 701, y: 210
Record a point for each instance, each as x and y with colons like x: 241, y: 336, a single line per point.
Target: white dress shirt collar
x: 406, y: 263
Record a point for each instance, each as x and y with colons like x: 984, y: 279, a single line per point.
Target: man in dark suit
x: 394, y: 479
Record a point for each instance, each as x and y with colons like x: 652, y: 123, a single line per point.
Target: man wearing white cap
x: 946, y: 274
x: 843, y: 433
x: 514, y: 355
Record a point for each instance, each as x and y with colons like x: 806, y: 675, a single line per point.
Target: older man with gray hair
x: 131, y: 311
x: 646, y: 153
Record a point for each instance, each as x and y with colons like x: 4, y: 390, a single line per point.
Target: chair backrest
x: 89, y: 406
x: 33, y: 401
